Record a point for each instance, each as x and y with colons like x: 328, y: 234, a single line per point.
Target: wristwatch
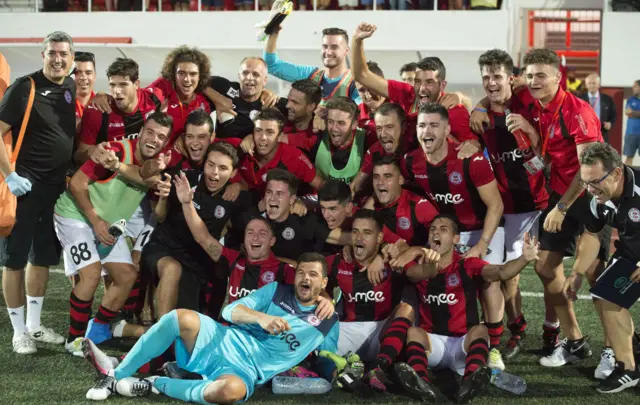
x: 562, y: 207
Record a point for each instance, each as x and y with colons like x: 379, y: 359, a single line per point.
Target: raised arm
x: 512, y: 268
x: 284, y: 70
x: 361, y: 72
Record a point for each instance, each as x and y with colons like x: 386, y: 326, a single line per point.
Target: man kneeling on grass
x: 273, y: 329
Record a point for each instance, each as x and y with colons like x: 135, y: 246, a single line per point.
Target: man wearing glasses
x: 615, y: 201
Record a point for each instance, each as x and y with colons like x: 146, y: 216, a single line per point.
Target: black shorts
x: 33, y: 237
x: 193, y: 279
x: 572, y: 227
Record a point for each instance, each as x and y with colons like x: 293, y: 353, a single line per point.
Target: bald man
x: 601, y: 103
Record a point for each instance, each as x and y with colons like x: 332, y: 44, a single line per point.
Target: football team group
x: 357, y: 215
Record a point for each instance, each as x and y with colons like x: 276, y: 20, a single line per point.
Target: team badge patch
x: 313, y: 320
x: 288, y: 233
x: 634, y: 214
x: 404, y: 223
x: 67, y: 97
x: 219, y: 212
x: 268, y: 277
x: 455, y: 178
x: 453, y: 280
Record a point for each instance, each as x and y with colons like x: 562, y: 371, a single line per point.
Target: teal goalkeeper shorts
x: 218, y: 351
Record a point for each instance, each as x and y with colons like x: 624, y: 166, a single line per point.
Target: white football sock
x: 34, y: 309
x: 17, y: 321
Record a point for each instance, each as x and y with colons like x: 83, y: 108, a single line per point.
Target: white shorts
x: 447, y: 352
x: 515, y: 226
x: 362, y: 338
x: 470, y: 238
x: 138, y: 219
x: 79, y: 246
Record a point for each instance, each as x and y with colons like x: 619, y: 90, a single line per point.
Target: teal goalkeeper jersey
x: 273, y: 354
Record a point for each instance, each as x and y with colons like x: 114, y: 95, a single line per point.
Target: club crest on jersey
x: 313, y: 320
x: 67, y: 97
x: 404, y: 223
x: 268, y: 277
x: 634, y: 215
x: 453, y: 280
x: 455, y: 178
x: 219, y: 212
x: 288, y: 233
x: 233, y: 93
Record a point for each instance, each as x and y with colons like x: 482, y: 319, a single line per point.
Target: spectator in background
x: 601, y: 103
x: 397, y: 5
x: 178, y: 5
x: 368, y: 4
x: 484, y: 4
x: 632, y: 136
x: 408, y: 71
x: 574, y: 85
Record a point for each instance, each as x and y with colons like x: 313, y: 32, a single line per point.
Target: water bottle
x: 116, y: 230
x: 508, y: 382
x: 295, y: 385
x: 522, y: 139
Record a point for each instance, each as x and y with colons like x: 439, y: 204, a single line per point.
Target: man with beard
x: 84, y: 74
x: 339, y: 151
x: 390, y: 125
x: 178, y: 264
x: 271, y: 330
x: 465, y: 189
x: 429, y: 86
x: 334, y: 77
x: 270, y: 153
x: 366, y: 308
x: 449, y: 334
x: 246, y: 95
x: 406, y: 214
x: 38, y: 179
x: 129, y: 105
x: 96, y: 198
x: 519, y: 175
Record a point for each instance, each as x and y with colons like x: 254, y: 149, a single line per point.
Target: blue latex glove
x: 18, y: 185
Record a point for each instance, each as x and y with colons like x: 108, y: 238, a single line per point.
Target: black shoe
x: 474, y: 385
x: 412, y: 383
x: 172, y: 370
x: 514, y: 347
x: 619, y: 380
x: 550, y: 339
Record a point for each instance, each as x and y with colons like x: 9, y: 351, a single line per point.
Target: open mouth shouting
x: 436, y: 243
x: 212, y: 183
x: 195, y: 152
x: 304, y: 288
x: 388, y: 144
x: 254, y: 248
x: 424, y: 98
x: 273, y: 208
x: 358, y: 249
x: 428, y: 140
x: 149, y: 149
x: 382, y: 192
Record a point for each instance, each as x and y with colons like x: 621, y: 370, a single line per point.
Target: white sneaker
x: 46, y: 335
x: 24, y: 345
x: 103, y: 389
x: 97, y: 358
x: 74, y: 347
x: 607, y: 364
x: 567, y: 352
x: 136, y: 387
x: 495, y: 360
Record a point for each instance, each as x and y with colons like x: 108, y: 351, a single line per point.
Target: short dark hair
x: 199, y: 118
x: 124, y: 67
x: 637, y: 82
x: 162, y: 119
x: 435, y: 108
x: 387, y: 160
x: 82, y: 56
x: 408, y: 67
x: 336, y: 31
x: 433, y: 64
x: 391, y: 108
x: 375, y: 216
x: 313, y: 257
x: 184, y: 54
x: 284, y: 176
x: 603, y: 153
x: 454, y: 222
x: 271, y: 114
x: 226, y: 149
x: 311, y: 90
x: 541, y: 56
x: 261, y: 219
x: 495, y: 58
x: 517, y: 71
x: 375, y: 68
x: 335, y: 190
x: 344, y: 104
